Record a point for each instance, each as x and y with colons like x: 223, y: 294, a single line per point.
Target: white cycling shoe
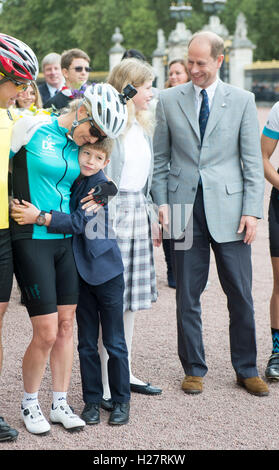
x: 64, y: 414
x: 34, y: 420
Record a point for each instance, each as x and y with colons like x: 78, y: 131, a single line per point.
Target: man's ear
x: 65, y: 73
x: 220, y: 59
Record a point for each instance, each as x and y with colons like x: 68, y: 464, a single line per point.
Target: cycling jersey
x: 271, y: 128
x: 6, y: 125
x: 45, y: 165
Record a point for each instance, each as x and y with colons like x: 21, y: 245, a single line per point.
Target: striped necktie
x: 204, y: 113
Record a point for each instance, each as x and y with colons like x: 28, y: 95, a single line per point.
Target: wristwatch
x: 41, y: 218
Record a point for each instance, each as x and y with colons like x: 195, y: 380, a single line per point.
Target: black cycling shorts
x: 46, y: 274
x: 6, y: 265
x: 273, y: 223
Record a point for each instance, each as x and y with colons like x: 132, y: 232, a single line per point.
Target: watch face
x: 40, y: 220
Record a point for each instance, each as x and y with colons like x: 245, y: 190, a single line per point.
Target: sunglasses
x: 80, y: 69
x: 20, y: 86
x: 94, y: 131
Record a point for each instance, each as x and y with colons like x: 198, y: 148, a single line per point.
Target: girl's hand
x: 156, y: 234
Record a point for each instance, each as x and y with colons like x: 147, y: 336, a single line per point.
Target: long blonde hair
x: 38, y: 100
x: 135, y: 72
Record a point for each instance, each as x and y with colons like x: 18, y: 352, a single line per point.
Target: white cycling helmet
x: 109, y: 112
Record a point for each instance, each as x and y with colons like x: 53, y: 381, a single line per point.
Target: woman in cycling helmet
x: 45, y: 165
x: 18, y: 67
x: 131, y: 169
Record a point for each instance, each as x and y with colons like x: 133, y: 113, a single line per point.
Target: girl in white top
x: 131, y: 168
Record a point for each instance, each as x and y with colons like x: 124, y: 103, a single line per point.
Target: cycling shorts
x: 6, y: 265
x: 273, y: 223
x: 46, y: 274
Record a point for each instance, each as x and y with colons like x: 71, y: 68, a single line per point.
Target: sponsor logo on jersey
x: 48, y: 144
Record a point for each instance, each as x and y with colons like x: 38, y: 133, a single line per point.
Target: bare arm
x: 26, y: 213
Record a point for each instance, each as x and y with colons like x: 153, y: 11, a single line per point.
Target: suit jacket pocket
x: 172, y: 184
x: 175, y: 170
x: 100, y: 246
x: 233, y: 188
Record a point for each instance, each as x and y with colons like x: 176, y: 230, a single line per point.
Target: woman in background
x: 29, y: 101
x: 177, y: 73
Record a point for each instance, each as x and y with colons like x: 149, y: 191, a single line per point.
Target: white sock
x: 129, y: 329
x: 104, y: 366
x: 129, y: 319
x: 29, y: 399
x: 58, y: 397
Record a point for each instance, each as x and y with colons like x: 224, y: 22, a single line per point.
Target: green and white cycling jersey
x: 271, y: 128
x: 45, y: 165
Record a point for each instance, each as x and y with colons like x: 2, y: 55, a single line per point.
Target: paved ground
x: 223, y: 417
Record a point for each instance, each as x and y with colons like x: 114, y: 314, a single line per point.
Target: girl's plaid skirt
x: 133, y: 232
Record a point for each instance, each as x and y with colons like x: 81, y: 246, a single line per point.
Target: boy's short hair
x: 105, y: 146
x: 68, y: 56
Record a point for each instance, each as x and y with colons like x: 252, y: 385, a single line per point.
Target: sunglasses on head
x: 94, y: 131
x: 80, y: 69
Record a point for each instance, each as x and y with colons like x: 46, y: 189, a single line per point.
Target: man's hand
x: 249, y: 224
x: 164, y: 216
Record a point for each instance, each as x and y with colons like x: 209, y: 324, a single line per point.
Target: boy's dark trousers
x: 102, y: 303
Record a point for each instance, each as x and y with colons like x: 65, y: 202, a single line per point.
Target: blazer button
x: 193, y: 188
x: 199, y: 146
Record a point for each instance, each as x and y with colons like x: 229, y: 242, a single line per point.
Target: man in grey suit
x: 208, y: 159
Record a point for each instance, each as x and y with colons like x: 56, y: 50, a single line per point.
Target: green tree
x: 52, y: 25
x: 42, y: 24
x: 141, y: 19
x: 262, y: 21
x: 94, y: 26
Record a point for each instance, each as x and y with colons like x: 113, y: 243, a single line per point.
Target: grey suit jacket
x: 229, y: 161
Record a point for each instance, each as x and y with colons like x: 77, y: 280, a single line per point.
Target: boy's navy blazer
x: 97, y: 259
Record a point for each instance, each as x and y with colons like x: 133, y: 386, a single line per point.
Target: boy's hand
x: 23, y: 213
x: 89, y: 204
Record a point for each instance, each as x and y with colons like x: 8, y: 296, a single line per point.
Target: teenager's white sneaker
x: 34, y: 419
x: 65, y: 415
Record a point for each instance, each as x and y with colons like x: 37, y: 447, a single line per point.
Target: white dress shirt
x: 52, y: 90
x: 210, y: 93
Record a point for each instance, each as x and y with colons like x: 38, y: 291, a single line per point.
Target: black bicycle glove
x: 103, y: 191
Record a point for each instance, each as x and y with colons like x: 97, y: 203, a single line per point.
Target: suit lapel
x: 219, y: 106
x: 186, y: 101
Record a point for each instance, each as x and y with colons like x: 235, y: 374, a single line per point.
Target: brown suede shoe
x: 254, y: 385
x: 192, y: 384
